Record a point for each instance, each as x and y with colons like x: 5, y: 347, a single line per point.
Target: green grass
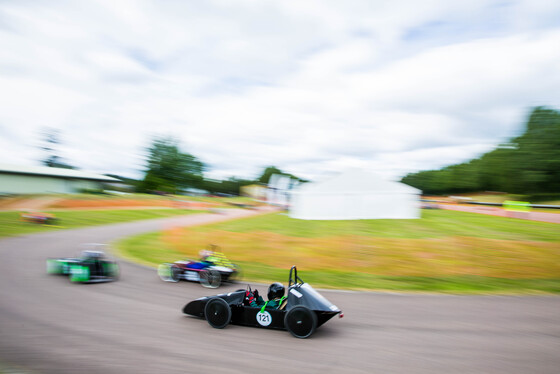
x: 445, y: 251
x: 147, y: 249
x: 11, y: 225
x: 365, y: 281
x: 434, y: 224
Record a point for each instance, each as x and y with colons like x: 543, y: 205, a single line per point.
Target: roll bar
x: 294, y: 277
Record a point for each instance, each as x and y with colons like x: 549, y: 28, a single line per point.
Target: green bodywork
x: 60, y: 266
x: 79, y: 270
x: 79, y: 273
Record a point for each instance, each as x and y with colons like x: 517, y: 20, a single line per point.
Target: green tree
x: 267, y: 173
x: 527, y: 164
x: 229, y: 186
x: 538, y: 155
x: 270, y: 170
x: 168, y: 169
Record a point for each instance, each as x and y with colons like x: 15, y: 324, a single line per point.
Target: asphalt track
x: 135, y: 325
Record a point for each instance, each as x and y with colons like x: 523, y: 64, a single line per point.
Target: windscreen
x: 304, y: 294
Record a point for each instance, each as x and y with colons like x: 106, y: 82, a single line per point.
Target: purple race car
x: 211, y: 270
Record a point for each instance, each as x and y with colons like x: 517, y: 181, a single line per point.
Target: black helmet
x: 275, y: 291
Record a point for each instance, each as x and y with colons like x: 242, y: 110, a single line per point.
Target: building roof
x: 357, y: 181
x: 54, y: 172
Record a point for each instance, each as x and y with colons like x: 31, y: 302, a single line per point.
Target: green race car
x: 91, y: 267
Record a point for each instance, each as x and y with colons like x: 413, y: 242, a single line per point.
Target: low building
x: 42, y: 179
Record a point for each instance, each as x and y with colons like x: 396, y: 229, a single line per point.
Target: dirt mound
x: 55, y: 202
x: 104, y: 203
x: 27, y: 203
x: 127, y: 203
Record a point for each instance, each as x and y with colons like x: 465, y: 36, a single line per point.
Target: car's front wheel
x: 168, y: 273
x: 300, y: 321
x: 217, y: 313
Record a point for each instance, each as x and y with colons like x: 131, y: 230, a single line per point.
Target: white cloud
x: 307, y: 86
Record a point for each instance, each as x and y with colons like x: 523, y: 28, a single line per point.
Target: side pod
x: 196, y: 307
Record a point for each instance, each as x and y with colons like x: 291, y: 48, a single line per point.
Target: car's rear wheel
x: 300, y: 321
x: 237, y: 274
x: 175, y: 274
x: 217, y: 313
x: 210, y: 278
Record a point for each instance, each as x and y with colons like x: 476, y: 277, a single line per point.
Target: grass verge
x: 445, y: 251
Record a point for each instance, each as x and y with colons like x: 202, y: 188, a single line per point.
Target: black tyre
x: 210, y: 278
x: 174, y: 274
x: 217, y: 313
x: 301, y: 321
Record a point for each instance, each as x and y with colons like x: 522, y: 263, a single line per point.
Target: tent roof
x: 356, y: 181
x: 54, y: 172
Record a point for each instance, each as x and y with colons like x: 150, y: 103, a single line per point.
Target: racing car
x: 211, y: 270
x: 92, y: 266
x: 39, y: 217
x: 300, y: 313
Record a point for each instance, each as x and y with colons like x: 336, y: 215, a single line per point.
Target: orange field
x: 56, y: 202
x: 127, y: 203
x: 435, y: 257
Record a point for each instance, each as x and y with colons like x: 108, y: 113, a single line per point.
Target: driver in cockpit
x: 275, y: 295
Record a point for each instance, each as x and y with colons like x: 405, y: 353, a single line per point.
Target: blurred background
x: 381, y: 146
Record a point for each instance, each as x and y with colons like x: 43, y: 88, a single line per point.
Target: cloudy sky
x: 312, y: 87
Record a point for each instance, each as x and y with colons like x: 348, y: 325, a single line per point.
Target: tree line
x: 167, y: 170
x: 170, y: 170
x: 527, y: 164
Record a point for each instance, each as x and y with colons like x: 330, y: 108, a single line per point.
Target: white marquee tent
x: 355, y: 194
